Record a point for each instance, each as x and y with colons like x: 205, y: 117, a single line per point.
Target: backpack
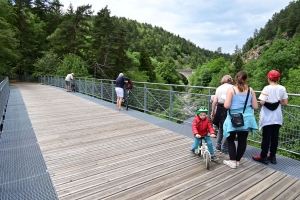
x: 128, y: 84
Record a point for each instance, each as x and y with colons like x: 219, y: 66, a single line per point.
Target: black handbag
x: 237, y: 120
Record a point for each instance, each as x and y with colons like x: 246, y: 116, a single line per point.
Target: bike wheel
x: 127, y: 103
x: 206, y: 159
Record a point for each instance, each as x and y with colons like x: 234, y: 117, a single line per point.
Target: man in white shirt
x: 68, y: 79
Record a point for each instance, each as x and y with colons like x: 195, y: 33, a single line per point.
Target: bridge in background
x: 186, y: 72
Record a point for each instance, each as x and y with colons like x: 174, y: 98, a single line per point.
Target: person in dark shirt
x: 120, y: 82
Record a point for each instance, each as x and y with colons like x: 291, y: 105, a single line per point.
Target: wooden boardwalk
x: 94, y: 152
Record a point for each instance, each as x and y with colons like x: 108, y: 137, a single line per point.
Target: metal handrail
x: 4, y: 95
x: 180, y: 105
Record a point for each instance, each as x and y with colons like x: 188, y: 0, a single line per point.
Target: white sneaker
x: 237, y: 163
x: 229, y: 164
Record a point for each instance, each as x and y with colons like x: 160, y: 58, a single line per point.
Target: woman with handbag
x: 240, y: 102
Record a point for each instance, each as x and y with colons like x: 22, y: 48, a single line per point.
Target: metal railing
x: 4, y: 94
x: 178, y: 103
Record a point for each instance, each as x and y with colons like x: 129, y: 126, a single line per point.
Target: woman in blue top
x: 235, y: 101
x: 120, y: 82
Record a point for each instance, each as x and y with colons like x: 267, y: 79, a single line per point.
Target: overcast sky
x: 207, y: 23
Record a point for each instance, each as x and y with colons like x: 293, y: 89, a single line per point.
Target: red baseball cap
x: 273, y: 75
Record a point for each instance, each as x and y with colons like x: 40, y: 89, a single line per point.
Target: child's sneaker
x: 218, y: 148
x: 229, y: 164
x: 192, y: 152
x: 214, y: 158
x: 225, y: 151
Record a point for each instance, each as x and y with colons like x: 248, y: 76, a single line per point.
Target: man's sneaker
x: 237, y: 163
x: 258, y: 158
x: 192, y: 152
x: 229, y: 164
x: 214, y: 158
x: 225, y: 151
x: 218, y: 148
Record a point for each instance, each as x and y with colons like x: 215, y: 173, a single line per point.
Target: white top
x: 222, y: 91
x: 271, y: 94
x: 69, y: 77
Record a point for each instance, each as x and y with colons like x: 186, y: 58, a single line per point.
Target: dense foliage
x: 38, y: 38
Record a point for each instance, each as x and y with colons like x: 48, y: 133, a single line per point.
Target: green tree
x: 8, y: 42
x: 168, y: 72
x: 71, y: 36
x: 109, y: 44
x: 47, y: 65
x: 146, y: 65
x: 72, y: 63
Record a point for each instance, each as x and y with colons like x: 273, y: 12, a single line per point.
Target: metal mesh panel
x: 23, y: 172
x: 34, y: 188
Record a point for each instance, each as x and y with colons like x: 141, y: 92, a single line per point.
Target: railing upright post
x: 112, y: 92
x: 171, y: 100
x: 209, y: 104
x: 101, y: 89
x: 85, y: 86
x: 145, y: 97
x: 93, y: 88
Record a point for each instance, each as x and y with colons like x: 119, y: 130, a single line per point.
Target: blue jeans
x: 207, y: 140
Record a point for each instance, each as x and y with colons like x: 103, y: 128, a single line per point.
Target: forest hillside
x: 39, y: 38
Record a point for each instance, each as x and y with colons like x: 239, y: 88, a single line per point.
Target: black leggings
x: 237, y: 153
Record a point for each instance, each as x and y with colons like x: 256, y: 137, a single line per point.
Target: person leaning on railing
x: 68, y: 79
x: 120, y: 82
x: 270, y: 119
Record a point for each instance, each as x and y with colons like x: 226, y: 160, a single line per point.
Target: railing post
x: 171, y: 100
x: 85, y: 87
x: 145, y: 98
x: 101, y: 89
x: 93, y: 87
x: 209, y: 104
x: 112, y: 92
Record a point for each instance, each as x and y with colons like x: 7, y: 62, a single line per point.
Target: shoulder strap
x: 233, y: 90
x: 246, y: 99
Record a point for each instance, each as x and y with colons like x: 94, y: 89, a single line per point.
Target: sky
x: 207, y: 23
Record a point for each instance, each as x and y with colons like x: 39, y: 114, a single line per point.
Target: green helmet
x: 202, y: 109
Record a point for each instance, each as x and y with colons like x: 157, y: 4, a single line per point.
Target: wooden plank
x: 116, y: 180
x: 107, y: 170
x: 275, y: 190
x: 257, y: 188
x: 118, y: 191
x: 290, y: 193
x: 121, y: 159
x: 206, y: 177
x: 201, y: 187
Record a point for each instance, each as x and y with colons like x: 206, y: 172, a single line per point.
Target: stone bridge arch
x: 186, y: 72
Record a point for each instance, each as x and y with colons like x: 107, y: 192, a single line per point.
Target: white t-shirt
x: 69, y: 77
x: 222, y: 91
x: 271, y: 94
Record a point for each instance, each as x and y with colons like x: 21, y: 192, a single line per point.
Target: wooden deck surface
x: 94, y: 152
